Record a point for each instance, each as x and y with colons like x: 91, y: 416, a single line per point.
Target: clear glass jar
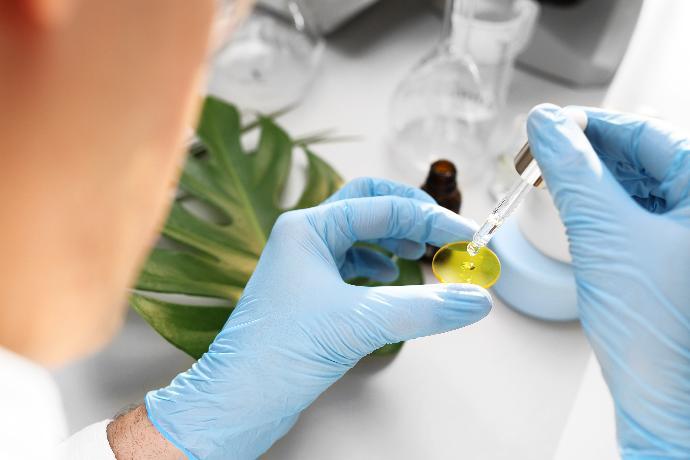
x: 270, y: 60
x: 447, y: 105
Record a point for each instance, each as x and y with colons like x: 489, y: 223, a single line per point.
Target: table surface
x: 499, y: 389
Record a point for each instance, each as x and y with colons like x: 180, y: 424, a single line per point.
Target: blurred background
x: 410, y: 82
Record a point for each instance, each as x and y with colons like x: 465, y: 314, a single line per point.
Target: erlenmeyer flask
x: 447, y: 105
x: 270, y: 60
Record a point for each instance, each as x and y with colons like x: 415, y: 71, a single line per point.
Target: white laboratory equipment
x: 561, y: 51
x: 447, y: 105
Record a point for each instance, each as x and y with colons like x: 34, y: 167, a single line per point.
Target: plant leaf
x: 220, y: 223
x: 175, y: 272
x: 322, y: 180
x: 189, y: 328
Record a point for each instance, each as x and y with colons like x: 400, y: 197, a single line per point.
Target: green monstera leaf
x: 229, y: 200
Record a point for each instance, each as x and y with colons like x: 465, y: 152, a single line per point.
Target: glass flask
x: 270, y: 60
x: 446, y: 107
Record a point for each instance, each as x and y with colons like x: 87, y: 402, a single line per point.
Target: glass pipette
x: 501, y: 212
x: 530, y: 176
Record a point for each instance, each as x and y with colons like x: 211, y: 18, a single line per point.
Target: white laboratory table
x: 500, y: 389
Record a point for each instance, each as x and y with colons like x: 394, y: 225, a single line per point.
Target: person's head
x: 97, y: 96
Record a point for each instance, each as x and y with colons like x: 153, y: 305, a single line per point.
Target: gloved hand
x: 299, y: 327
x: 622, y: 188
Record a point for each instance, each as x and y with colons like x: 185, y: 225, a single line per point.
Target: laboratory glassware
x: 446, y: 107
x: 442, y: 185
x: 270, y: 60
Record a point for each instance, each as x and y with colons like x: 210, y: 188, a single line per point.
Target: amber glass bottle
x: 442, y: 185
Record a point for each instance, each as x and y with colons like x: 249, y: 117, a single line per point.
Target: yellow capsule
x: 453, y: 264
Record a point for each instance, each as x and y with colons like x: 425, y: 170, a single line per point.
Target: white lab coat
x: 32, y: 424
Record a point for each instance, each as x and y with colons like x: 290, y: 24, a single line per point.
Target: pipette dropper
x: 501, y: 212
x: 530, y: 176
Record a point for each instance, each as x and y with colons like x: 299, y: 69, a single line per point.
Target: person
x: 97, y: 95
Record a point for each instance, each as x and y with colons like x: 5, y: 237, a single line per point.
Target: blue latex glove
x: 299, y: 327
x: 622, y: 189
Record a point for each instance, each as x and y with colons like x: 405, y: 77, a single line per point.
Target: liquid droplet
x: 467, y: 266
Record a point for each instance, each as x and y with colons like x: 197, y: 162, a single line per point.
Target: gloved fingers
x: 370, y: 186
x: 405, y: 249
x: 363, y: 187
x: 342, y: 223
x: 648, y: 156
x: 579, y: 182
x: 368, y: 263
x: 649, y: 145
x: 397, y: 313
x: 675, y: 188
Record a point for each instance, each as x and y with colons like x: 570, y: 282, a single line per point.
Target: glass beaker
x: 270, y: 60
x: 446, y: 107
